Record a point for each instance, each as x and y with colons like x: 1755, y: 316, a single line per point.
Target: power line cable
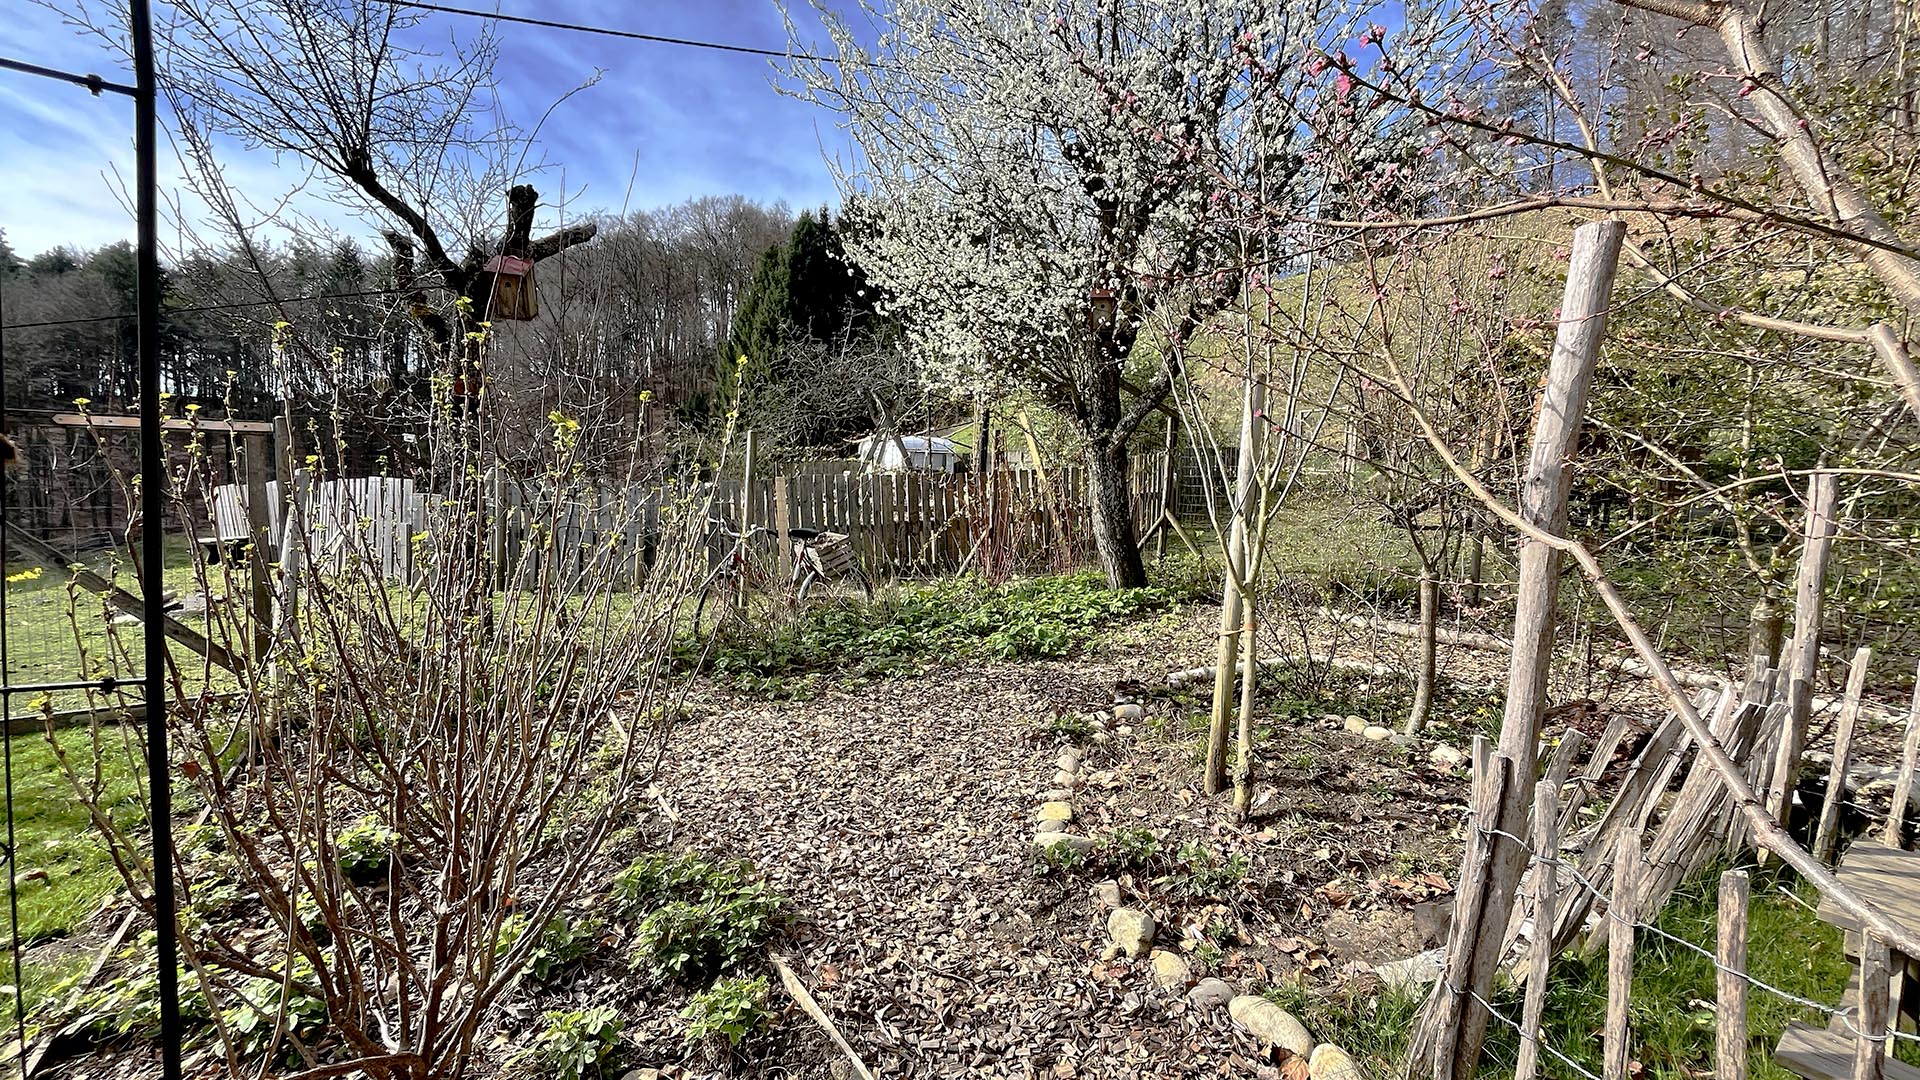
x: 632, y: 35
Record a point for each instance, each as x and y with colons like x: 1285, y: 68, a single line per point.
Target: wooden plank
x: 1820, y: 1054
x: 1886, y: 877
x: 1622, y: 914
x: 1826, y: 838
x: 1694, y: 829
x: 782, y: 521
x: 126, y: 422
x: 119, y: 597
x: 1730, y: 964
x: 889, y: 535
x: 255, y: 463
x: 62, y: 719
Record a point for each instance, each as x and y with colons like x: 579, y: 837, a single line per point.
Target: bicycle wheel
x: 716, y: 595
x: 807, y: 577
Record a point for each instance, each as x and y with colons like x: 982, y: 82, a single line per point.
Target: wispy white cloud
x: 671, y: 123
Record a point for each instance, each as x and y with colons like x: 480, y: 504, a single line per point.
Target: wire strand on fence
x: 1845, y: 1016
x: 1515, y: 1025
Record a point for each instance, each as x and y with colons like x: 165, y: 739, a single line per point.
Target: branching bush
x: 576, y: 1043
x: 416, y: 767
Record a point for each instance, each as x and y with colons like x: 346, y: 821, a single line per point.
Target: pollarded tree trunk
x: 1110, y: 497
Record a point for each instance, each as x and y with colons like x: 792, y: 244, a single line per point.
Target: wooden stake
x: 1730, y: 958
x: 1622, y: 915
x: 1232, y: 603
x: 1826, y: 839
x: 1441, y: 1019
x: 1543, y: 504
x: 256, y: 451
x: 1546, y: 841
x: 782, y: 522
x: 748, y: 455
x: 1869, y: 1041
x: 1423, y: 669
x: 1909, y: 759
x: 1803, y: 659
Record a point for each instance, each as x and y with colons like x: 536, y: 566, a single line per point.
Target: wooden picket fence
x: 901, y: 524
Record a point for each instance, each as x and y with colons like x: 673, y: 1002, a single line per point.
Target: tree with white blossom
x: 1050, y: 196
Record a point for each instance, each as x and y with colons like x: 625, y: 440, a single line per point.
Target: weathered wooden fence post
x: 1909, y: 761
x: 1546, y: 842
x: 286, y: 542
x: 1870, y: 1021
x: 255, y: 451
x: 747, y: 456
x: 1730, y: 979
x: 1441, y: 1021
x: 1803, y: 660
x: 1454, y: 1051
x: 782, y: 522
x: 1826, y: 838
x: 1623, y: 917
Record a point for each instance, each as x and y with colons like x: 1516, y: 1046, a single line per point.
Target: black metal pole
x: 153, y: 487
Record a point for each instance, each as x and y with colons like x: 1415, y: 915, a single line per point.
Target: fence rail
x: 901, y: 523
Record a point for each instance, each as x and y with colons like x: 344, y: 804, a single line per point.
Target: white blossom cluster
x: 1020, y: 163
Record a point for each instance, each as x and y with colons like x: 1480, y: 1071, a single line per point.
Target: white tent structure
x: 930, y: 453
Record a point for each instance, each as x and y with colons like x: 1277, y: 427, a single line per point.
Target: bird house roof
x: 510, y: 265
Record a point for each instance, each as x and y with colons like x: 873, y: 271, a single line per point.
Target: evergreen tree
x: 805, y: 302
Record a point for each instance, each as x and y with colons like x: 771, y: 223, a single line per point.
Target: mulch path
x: 896, y: 818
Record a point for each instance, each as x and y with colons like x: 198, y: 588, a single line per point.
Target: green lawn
x: 63, y: 871
x: 1673, y: 993
x: 57, y: 635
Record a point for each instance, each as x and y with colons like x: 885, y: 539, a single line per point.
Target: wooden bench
x: 1825, y: 1054
x: 1889, y: 879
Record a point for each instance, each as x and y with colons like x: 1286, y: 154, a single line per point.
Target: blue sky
x: 676, y: 122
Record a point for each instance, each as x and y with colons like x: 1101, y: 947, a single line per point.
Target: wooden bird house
x: 514, y: 296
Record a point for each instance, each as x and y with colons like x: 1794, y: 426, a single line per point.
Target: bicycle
x: 819, y: 558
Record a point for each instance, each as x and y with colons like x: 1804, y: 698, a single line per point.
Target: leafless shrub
x: 411, y: 766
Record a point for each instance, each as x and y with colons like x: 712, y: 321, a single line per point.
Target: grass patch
x: 956, y: 618
x: 1673, y: 993
x: 47, y: 628
x: 55, y: 835
x: 1372, y: 1028
x: 1673, y: 987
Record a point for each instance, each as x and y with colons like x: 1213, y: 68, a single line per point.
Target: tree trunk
x: 1166, y: 490
x: 982, y: 437
x: 1766, y: 628
x: 1424, y: 670
x: 1110, y: 498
